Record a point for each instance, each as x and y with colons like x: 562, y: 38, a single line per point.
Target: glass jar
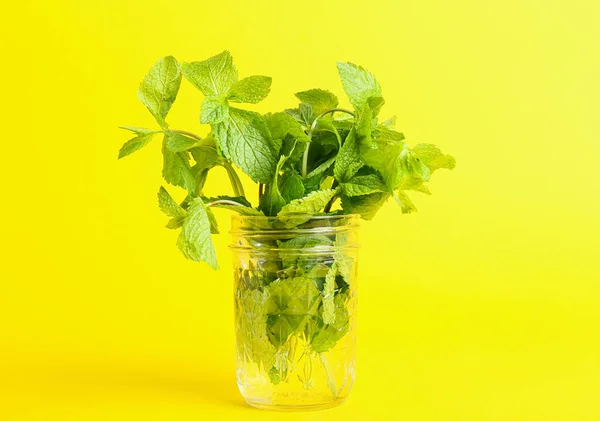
x: 295, y: 309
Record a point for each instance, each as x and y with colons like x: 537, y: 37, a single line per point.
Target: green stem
x: 328, y: 206
x: 330, y: 377
x: 310, y: 133
x: 238, y: 189
x: 188, y: 134
x: 224, y: 202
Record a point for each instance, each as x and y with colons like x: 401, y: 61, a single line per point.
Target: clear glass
x: 295, y: 309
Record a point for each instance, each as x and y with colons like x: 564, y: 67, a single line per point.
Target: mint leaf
x: 303, y: 114
x: 389, y: 159
x: 290, y: 258
x: 433, y: 157
x: 390, y: 123
x: 177, y: 142
x: 328, y: 296
x: 213, y: 77
x: 320, y: 100
x: 194, y: 240
x: 383, y: 134
x: 291, y: 186
x: 348, y: 160
x: 404, y: 201
x: 283, y: 124
x: 237, y: 199
x: 329, y: 334
x: 251, y: 331
x: 271, y: 201
x: 292, y: 301
x: 177, y: 170
x: 222, y: 202
x: 308, y: 205
x: 251, y: 90
x: 135, y: 144
x: 169, y: 206
x: 366, y: 206
x: 214, y: 110
x: 206, y: 157
x: 363, y: 184
x: 245, y: 138
x: 159, y: 88
x: 375, y: 103
x: 139, y: 130
x: 359, y: 84
x: 174, y: 223
x: 321, y: 168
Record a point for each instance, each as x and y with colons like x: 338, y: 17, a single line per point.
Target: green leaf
x: 135, y: 144
x: 383, y: 134
x: 306, y: 260
x: 404, y: 201
x: 245, y: 138
x: 328, y: 296
x: 389, y: 159
x: 291, y: 186
x: 177, y: 142
x: 303, y: 114
x: 329, y: 334
x: 251, y: 90
x: 206, y: 157
x: 214, y: 110
x: 251, y: 327
x: 245, y: 209
x: 283, y: 124
x: 348, y: 160
x: 390, y: 123
x: 363, y: 184
x: 310, y: 204
x: 359, y: 84
x: 375, y: 103
x: 433, y: 157
x: 194, y: 240
x: 292, y: 302
x: 271, y: 201
x: 366, y: 206
x: 177, y: 170
x: 159, y: 88
x: 214, y: 76
x: 321, y: 168
x: 169, y: 206
x: 237, y: 199
x: 320, y: 100
x: 139, y: 130
x: 364, y: 127
x: 174, y: 223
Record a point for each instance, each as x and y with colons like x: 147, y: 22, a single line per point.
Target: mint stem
x: 235, y: 181
x: 328, y: 206
x: 224, y: 202
x: 188, y: 134
x: 310, y: 133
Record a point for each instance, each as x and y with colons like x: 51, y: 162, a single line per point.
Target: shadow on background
x: 125, y: 382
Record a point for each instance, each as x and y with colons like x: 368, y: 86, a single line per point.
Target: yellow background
x: 485, y: 305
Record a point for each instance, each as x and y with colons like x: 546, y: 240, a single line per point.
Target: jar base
x: 296, y: 408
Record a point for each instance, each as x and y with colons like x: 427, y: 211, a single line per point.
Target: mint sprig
x: 305, y: 159
x: 316, y: 159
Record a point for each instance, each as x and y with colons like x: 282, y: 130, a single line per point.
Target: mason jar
x: 295, y: 309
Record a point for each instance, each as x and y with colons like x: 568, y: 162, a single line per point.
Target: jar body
x: 295, y: 310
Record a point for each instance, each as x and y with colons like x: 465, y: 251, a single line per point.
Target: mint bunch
x: 305, y: 160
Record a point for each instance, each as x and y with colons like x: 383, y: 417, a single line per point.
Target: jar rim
x: 348, y: 217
